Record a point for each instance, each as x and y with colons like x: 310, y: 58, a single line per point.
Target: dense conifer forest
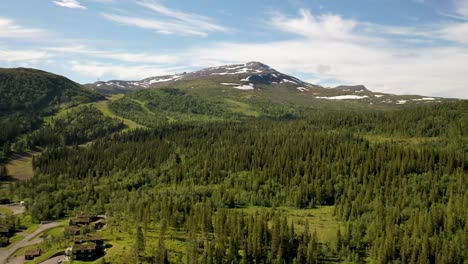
x: 27, y: 96
x: 396, y: 180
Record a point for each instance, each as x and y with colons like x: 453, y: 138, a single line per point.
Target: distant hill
x: 255, y: 78
x: 30, y: 90
x: 27, y: 95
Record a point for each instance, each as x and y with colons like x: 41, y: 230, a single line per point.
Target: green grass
x: 101, y: 106
x: 48, y: 250
x: 5, y: 211
x: 20, y: 167
x: 15, y: 239
x: 120, y: 234
x: 45, y: 256
x: 27, y: 222
x: 104, y: 108
x: 56, y: 231
x: 242, y: 108
x: 320, y: 220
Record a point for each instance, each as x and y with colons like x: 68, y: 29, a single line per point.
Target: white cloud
x: 193, y: 20
x: 69, y: 4
x: 9, y: 29
x: 105, y: 1
x: 156, y: 25
x: 126, y: 72
x: 16, y: 56
x: 462, y: 8
x: 174, y: 22
x: 456, y: 32
x: 328, y: 47
x: 323, y: 27
x: 122, y: 56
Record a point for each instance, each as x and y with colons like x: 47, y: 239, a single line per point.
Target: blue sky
x: 395, y: 46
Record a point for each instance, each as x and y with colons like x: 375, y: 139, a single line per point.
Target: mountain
x: 30, y: 90
x: 239, y: 76
x: 256, y: 76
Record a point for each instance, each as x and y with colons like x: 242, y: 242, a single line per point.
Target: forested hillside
x: 29, y: 90
x: 27, y: 95
x: 397, y: 182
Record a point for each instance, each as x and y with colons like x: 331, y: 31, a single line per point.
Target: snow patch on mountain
x: 425, y: 99
x: 250, y: 86
x: 159, y: 80
x: 246, y: 79
x: 230, y: 84
x: 288, y: 81
x: 344, y: 97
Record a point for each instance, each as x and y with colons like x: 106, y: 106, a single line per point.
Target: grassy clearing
x: 27, y: 223
x: 56, y: 231
x: 320, y: 220
x: 20, y: 167
x: 5, y: 211
x: 242, y: 108
x: 44, y: 256
x: 122, y: 242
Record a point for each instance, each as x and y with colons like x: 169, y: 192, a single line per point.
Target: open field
x: 20, y: 166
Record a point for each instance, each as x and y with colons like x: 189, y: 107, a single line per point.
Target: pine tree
x: 140, y: 243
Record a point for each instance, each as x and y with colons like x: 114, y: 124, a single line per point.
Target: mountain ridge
x: 255, y: 76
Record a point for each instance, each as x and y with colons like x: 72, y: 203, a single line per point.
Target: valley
x: 188, y: 169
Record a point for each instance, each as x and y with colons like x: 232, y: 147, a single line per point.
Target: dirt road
x: 27, y: 241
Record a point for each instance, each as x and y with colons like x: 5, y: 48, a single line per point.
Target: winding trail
x: 27, y: 241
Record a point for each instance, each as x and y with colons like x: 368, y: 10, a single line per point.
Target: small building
x: 31, y: 254
x: 83, y: 239
x: 82, y: 219
x: 87, y: 251
x: 71, y: 230
x: 79, y: 221
x: 88, y: 248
